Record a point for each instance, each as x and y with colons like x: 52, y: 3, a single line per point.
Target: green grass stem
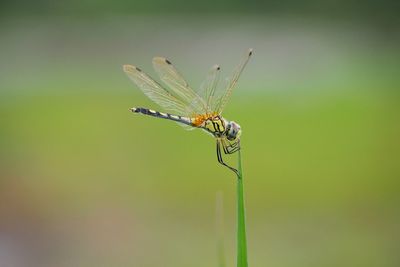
x: 241, y: 224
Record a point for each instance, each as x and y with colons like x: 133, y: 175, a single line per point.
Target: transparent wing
x: 178, y: 86
x: 156, y: 92
x: 220, y: 103
x: 208, y: 88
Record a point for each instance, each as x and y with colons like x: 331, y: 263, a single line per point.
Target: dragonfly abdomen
x: 162, y: 115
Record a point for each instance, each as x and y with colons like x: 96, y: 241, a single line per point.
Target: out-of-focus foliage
x: 368, y: 10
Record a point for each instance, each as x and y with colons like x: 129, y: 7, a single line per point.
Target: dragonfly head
x: 233, y: 131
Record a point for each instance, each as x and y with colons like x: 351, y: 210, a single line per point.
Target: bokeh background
x: 83, y: 182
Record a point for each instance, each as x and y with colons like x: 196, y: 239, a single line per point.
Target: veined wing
x: 178, y: 86
x: 155, y: 91
x: 223, y: 99
x: 209, y: 86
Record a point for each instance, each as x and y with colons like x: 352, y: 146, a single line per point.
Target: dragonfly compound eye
x: 233, y: 131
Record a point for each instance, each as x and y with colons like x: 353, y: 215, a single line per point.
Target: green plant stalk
x: 241, y: 218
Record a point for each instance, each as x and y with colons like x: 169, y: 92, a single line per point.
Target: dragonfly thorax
x: 220, y: 127
x: 215, y: 125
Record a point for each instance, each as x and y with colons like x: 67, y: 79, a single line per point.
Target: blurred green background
x: 83, y: 182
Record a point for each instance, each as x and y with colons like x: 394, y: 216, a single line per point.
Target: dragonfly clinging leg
x: 219, y: 154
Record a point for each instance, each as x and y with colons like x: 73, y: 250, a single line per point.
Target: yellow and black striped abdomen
x: 162, y: 115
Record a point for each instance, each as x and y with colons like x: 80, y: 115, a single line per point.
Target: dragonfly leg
x: 220, y: 160
x: 230, y: 148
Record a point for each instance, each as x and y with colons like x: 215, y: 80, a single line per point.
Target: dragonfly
x: 192, y: 109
